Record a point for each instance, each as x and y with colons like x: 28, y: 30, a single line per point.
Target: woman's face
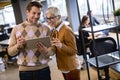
x: 52, y: 20
x: 87, y: 22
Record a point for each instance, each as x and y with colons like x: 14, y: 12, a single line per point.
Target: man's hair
x: 89, y: 12
x: 53, y: 10
x: 33, y: 3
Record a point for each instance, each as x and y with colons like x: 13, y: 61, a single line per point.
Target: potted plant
x: 116, y: 13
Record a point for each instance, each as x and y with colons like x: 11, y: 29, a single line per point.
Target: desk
x: 99, y: 28
x: 4, y: 42
x: 116, y: 67
x: 104, y: 61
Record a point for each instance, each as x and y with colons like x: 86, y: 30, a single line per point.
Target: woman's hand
x: 56, y: 42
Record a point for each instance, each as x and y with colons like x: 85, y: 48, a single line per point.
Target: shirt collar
x: 59, y: 27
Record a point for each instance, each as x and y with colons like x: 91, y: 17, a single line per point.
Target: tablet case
x: 31, y: 44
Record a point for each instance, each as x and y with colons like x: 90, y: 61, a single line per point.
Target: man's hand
x: 41, y: 48
x: 20, y: 42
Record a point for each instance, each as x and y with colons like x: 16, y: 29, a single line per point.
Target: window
x: 7, y: 15
x: 61, y: 4
x: 102, y: 9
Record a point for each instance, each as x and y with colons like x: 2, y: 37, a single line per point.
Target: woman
x: 64, y: 41
x: 84, y: 24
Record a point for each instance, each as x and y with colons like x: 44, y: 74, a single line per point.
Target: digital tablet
x: 31, y: 44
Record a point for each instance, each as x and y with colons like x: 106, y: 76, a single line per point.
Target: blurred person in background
x: 95, y: 22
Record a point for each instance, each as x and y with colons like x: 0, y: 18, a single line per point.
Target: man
x: 32, y: 62
x: 64, y: 41
x: 93, y: 19
x: 95, y: 22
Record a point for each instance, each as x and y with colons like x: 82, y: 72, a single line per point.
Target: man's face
x: 33, y: 15
x: 52, y: 20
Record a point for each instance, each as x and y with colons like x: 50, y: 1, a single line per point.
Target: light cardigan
x: 66, y: 56
x: 29, y: 59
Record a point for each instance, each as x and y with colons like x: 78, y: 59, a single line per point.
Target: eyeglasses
x: 50, y: 18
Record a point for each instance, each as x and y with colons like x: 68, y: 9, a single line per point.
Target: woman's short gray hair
x: 53, y: 10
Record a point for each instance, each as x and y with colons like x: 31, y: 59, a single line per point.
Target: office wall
x: 19, y: 7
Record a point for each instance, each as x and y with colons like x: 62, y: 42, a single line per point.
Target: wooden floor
x: 12, y: 71
x: 56, y: 74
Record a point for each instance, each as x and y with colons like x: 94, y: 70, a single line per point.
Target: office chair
x: 3, y: 51
x: 80, y: 47
x: 103, y: 46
